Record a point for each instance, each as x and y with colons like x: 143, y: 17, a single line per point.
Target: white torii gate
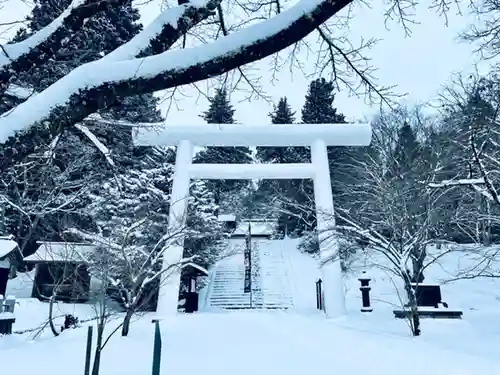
x: 317, y: 136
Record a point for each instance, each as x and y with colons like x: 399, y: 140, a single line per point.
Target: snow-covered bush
x: 309, y: 244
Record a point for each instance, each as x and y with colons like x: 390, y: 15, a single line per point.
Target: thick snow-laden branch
x: 96, y: 85
x: 96, y: 118
x: 461, y: 182
x: 18, y: 57
x: 157, y: 37
x: 471, y: 182
x: 164, y: 31
x: 97, y: 143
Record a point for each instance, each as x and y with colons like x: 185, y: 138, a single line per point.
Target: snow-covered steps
x: 226, y: 289
x: 270, y: 284
x: 274, y: 274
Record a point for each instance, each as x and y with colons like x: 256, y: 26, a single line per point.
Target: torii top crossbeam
x: 257, y: 135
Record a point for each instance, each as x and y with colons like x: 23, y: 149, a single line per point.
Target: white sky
x: 419, y: 65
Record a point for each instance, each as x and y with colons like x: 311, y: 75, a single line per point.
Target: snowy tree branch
x: 97, y: 143
x: 21, y: 56
x: 164, y: 31
x: 461, y: 182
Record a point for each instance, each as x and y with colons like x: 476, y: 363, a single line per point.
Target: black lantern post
x: 365, y: 292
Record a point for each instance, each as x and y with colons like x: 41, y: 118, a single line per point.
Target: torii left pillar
x: 170, y: 280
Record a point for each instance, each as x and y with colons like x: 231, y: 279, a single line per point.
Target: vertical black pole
x: 157, y: 349
x: 88, y: 353
x: 248, y: 265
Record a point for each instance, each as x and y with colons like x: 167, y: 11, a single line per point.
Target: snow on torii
x: 317, y: 136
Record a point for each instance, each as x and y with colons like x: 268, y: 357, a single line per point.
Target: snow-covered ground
x: 292, y: 342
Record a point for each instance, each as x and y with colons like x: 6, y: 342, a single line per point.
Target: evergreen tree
x: 221, y: 111
x: 204, y: 229
x: 99, y: 35
x: 269, y: 189
x: 282, y: 114
x: 405, y: 153
x: 318, y: 108
x: 343, y: 161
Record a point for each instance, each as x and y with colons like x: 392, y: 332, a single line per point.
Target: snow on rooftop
x: 61, y: 252
x: 197, y: 266
x: 256, y: 227
x: 7, y: 245
x: 227, y: 217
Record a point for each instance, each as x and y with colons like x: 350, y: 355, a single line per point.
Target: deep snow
x: 294, y: 342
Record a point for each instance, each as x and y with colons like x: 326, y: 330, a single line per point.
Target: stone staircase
x: 270, y: 284
x: 274, y: 276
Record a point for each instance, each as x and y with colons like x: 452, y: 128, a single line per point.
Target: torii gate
x: 316, y: 136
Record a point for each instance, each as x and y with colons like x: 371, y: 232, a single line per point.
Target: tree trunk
x: 51, y: 317
x: 98, y: 348
x: 415, y: 322
x: 486, y: 224
x: 126, y: 322
x: 414, y: 318
x: 418, y: 258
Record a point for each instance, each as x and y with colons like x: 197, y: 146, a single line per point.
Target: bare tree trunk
x: 51, y: 316
x: 412, y: 302
x: 126, y: 321
x: 98, y: 348
x: 418, y: 258
x: 486, y: 223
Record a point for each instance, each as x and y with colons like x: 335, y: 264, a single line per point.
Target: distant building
x: 229, y: 221
x: 61, y: 270
x: 10, y: 257
x: 257, y: 228
x: 239, y: 227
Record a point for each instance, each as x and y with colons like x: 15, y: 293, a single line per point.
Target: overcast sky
x: 419, y: 65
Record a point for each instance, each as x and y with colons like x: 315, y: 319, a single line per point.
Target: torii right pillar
x: 333, y: 285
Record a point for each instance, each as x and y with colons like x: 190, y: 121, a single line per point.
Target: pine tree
x: 221, y: 111
x: 406, y: 153
x: 318, y: 108
x: 205, y: 230
x: 282, y: 114
x: 269, y: 189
